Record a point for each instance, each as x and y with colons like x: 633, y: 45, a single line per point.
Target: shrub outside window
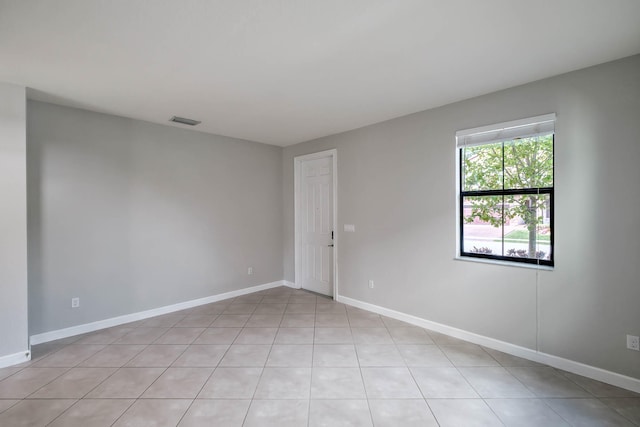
x: 506, y: 191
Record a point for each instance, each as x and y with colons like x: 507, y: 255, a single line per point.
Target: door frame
x: 297, y: 191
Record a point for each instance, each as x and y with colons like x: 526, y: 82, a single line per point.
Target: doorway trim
x: 297, y: 178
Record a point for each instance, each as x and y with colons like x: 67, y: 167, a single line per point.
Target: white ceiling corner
x: 286, y: 71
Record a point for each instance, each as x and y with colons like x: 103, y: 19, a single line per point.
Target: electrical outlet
x: 75, y: 302
x: 371, y: 286
x: 633, y: 342
x: 250, y: 271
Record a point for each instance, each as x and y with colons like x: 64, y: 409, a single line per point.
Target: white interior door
x: 316, y: 217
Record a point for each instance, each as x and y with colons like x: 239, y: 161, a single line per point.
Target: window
x: 506, y: 191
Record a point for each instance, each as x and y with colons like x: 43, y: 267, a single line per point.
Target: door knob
x: 331, y: 245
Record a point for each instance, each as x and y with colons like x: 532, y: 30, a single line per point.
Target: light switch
x: 349, y: 228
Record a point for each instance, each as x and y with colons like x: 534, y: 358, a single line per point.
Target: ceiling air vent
x: 184, y: 121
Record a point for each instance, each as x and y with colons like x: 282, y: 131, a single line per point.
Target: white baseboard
x: 15, y: 358
x: 115, y: 321
x: 290, y: 284
x: 588, y: 371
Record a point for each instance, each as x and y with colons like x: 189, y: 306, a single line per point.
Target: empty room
x: 319, y: 213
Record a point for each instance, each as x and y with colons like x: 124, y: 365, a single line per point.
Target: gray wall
x: 129, y: 216
x: 13, y: 221
x: 397, y: 185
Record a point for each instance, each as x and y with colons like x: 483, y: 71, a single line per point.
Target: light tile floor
x: 284, y: 357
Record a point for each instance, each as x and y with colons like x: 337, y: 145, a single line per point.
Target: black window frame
x: 508, y: 192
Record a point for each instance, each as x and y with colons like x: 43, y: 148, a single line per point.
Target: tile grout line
x: 618, y: 412
x: 544, y: 402
x: 139, y: 396
x: 561, y: 374
x: 536, y: 396
x: 484, y: 400
x: 411, y: 372
x: 96, y: 386
x: 313, y: 348
x: 205, y: 381
x: 215, y: 369
x: 135, y: 400
x: 474, y: 388
x: 197, y: 394
x: 259, y: 379
x: 152, y: 383
x: 355, y: 349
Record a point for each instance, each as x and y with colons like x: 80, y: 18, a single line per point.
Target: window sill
x: 504, y: 263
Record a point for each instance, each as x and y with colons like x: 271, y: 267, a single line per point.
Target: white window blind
x: 523, y: 128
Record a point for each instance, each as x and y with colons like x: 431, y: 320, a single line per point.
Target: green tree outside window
x: 510, y: 180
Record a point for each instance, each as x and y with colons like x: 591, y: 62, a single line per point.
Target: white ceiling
x: 287, y: 71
